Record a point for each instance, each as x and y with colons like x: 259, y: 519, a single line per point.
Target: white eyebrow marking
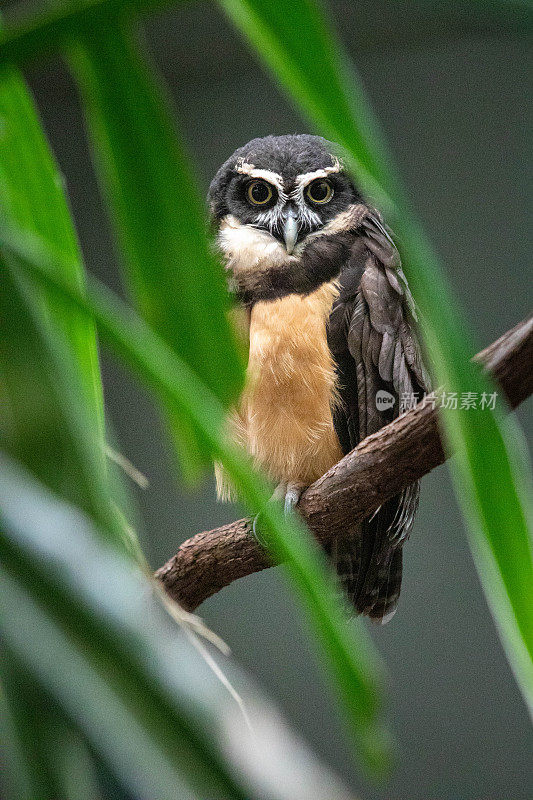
x: 302, y: 180
x: 245, y: 168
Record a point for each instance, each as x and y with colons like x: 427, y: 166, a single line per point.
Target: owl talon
x: 255, y: 533
x: 293, y: 493
x: 290, y: 493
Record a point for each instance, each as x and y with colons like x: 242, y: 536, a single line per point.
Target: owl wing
x: 372, y: 336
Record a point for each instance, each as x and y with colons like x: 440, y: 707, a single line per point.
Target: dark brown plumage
x: 371, y: 335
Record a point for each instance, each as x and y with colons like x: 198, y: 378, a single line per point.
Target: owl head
x: 279, y: 204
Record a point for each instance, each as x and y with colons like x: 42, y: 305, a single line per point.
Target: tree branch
x: 377, y: 469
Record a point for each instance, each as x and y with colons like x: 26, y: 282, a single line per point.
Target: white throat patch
x: 248, y: 249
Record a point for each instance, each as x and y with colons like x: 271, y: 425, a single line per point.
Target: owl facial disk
x: 289, y: 208
x: 289, y: 188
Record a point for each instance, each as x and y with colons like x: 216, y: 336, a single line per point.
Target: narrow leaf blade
x: 159, y: 219
x: 33, y: 198
x: 90, y: 628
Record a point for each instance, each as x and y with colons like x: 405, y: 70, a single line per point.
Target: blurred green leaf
x: 347, y: 651
x: 159, y: 218
x: 76, y: 769
x: 32, y: 197
x: 492, y: 479
x: 49, y: 361
x: 90, y: 628
x: 27, y: 772
x: 42, y: 419
x: 52, y: 762
x: 58, y: 22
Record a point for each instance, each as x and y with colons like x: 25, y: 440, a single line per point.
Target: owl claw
x: 290, y: 493
x: 293, y: 493
x: 255, y: 533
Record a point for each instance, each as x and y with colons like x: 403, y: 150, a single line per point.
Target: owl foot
x: 293, y: 492
x: 290, y: 494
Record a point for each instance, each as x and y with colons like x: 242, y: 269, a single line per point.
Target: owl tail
x: 369, y: 563
x: 381, y: 600
x: 375, y: 595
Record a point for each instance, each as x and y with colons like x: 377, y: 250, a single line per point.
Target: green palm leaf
x: 160, y: 221
x: 32, y: 198
x: 89, y: 628
x: 49, y: 759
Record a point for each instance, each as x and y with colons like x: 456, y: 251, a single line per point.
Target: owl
x: 332, y: 344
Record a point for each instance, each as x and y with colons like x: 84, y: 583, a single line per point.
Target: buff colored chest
x: 286, y: 414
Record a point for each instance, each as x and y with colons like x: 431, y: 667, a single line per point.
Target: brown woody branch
x: 380, y: 467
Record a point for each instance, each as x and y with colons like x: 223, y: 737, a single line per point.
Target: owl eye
x: 319, y: 191
x: 259, y: 193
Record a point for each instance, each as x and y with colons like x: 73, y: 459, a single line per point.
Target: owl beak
x: 290, y: 230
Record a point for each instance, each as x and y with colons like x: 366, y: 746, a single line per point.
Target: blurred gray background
x: 449, y: 83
